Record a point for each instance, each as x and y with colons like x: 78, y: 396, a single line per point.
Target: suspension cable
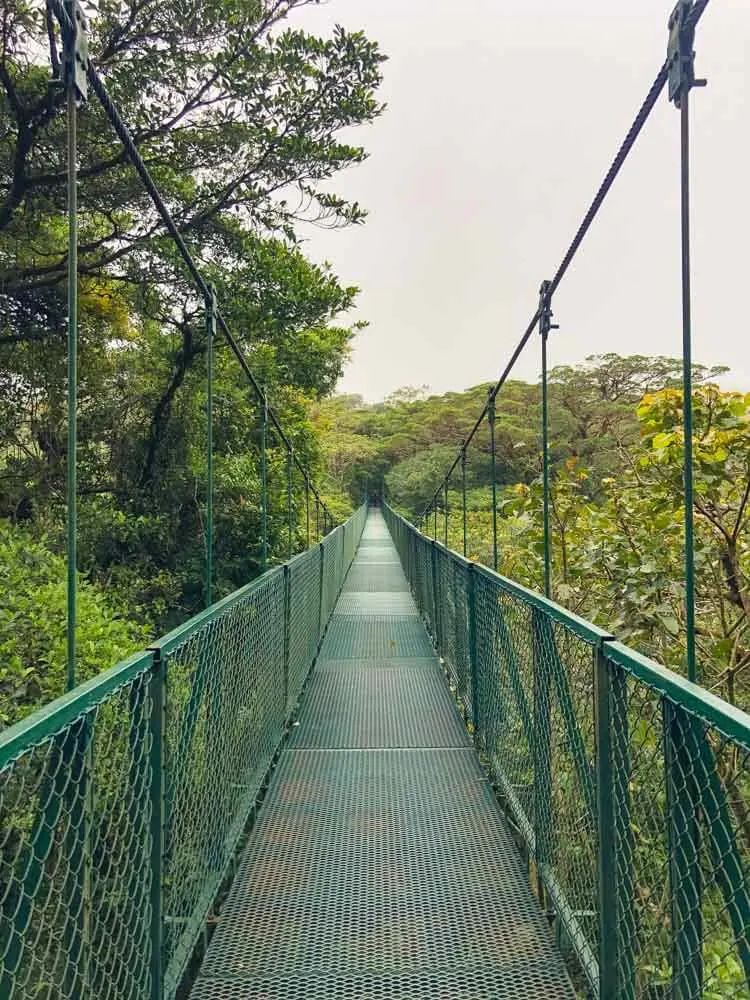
x: 604, y: 188
x: 128, y: 143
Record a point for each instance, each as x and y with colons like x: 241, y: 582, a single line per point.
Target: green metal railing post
x: 287, y: 635
x: 607, y: 833
x: 307, y: 508
x: 493, y: 456
x: 545, y: 325
x: 71, y: 58
x: 683, y: 800
x: 264, y: 482
x: 473, y: 660
x: 542, y: 747
x: 321, y: 580
x: 290, y: 499
x: 157, y: 789
x: 681, y: 59
x: 445, y: 505
x: 435, y: 526
x: 210, y: 307
x: 463, y: 496
x: 436, y: 603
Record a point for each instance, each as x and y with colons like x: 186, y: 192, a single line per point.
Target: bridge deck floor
x: 380, y: 866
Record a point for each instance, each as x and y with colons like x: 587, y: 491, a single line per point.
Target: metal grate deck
x: 375, y: 578
x: 375, y: 636
x: 377, y: 705
x: 374, y: 603
x: 380, y: 867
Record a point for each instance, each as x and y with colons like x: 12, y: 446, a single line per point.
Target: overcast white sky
x: 503, y: 117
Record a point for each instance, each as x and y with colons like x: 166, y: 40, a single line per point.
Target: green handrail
x: 628, y: 784
x: 122, y: 803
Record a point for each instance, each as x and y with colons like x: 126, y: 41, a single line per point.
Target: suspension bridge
x: 379, y: 769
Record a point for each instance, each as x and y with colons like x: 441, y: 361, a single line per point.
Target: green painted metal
x: 607, y: 831
x: 684, y: 857
x: 264, y: 482
x: 463, y: 502
x: 307, y: 508
x: 210, y: 307
x: 124, y: 800
x: 542, y: 745
x: 476, y: 695
x: 290, y: 501
x: 72, y: 388
x: 628, y: 784
x: 687, y: 386
x: 621, y: 770
x: 493, y: 472
x: 156, y: 792
x: 445, y: 509
x: 545, y: 325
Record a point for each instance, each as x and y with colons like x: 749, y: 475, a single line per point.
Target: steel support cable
x: 622, y: 154
x: 123, y: 133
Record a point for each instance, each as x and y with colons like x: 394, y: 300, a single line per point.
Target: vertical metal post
x: 264, y: 483
x: 445, y: 504
x: 473, y: 655
x: 307, y: 507
x: 683, y: 799
x: 545, y: 325
x: 607, y: 858
x: 681, y: 80
x: 437, y: 604
x: 493, y: 455
x: 434, y: 526
x: 72, y: 95
x: 463, y: 496
x: 687, y: 387
x: 542, y: 750
x: 157, y: 719
x: 287, y: 637
x: 210, y: 307
x: 289, y: 499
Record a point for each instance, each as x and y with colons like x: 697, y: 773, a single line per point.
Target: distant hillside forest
x: 617, y: 506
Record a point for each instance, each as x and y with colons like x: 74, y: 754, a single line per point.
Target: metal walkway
x: 380, y: 865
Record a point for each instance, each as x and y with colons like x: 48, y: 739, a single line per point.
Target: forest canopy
x: 617, y: 500
x: 244, y: 120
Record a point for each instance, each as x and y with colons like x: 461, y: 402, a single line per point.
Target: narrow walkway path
x: 380, y: 865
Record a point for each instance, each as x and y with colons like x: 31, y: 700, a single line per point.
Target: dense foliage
x: 617, y: 502
x: 239, y: 116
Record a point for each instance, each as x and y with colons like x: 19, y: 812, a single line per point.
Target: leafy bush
x: 33, y: 607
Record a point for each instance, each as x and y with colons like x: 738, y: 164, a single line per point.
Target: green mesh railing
x: 122, y: 803
x: 628, y: 786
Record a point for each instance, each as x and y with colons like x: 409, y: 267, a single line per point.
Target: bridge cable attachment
x: 680, y: 53
x: 545, y: 326
x: 681, y: 80
x: 76, y: 50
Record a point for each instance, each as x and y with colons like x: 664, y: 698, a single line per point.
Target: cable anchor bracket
x: 680, y: 52
x: 76, y: 50
x: 545, y: 310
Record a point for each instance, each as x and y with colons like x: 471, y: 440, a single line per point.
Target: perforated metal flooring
x: 380, y: 866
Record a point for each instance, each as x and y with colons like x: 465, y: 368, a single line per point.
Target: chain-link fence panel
x: 303, y: 585
x: 121, y: 804
x: 75, y: 843
x: 629, y: 786
x: 225, y: 715
x: 677, y: 829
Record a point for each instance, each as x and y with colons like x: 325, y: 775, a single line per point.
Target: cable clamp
x: 76, y: 50
x: 680, y: 52
x: 545, y: 310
